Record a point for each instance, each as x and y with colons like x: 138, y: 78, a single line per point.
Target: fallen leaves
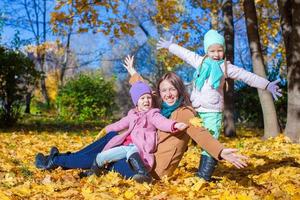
x: 273, y: 172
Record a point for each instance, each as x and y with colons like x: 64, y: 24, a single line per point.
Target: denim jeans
x: 84, y: 158
x: 115, y: 154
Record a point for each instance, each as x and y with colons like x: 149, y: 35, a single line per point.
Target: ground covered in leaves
x: 273, y: 171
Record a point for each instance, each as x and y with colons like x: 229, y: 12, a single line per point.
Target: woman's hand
x: 128, y: 64
x: 180, y: 126
x: 235, y: 159
x: 163, y: 43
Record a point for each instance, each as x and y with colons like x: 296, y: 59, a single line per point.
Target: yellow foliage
x: 273, y: 171
x: 52, y: 81
x: 101, y: 133
x: 196, y: 121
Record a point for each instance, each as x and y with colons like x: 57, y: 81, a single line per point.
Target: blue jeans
x: 84, y: 158
x: 115, y: 154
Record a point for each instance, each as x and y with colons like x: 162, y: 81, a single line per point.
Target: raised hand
x: 236, y: 159
x: 163, y: 43
x: 180, y: 126
x: 274, y: 89
x: 128, y: 64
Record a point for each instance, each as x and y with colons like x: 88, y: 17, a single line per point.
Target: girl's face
x: 145, y: 102
x: 216, y: 52
x: 168, y: 92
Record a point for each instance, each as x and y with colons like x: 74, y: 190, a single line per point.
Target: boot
x: 40, y: 161
x: 138, y: 166
x: 206, y: 167
x: 95, y: 169
x: 46, y: 162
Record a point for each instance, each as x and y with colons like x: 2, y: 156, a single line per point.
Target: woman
x: 175, y: 105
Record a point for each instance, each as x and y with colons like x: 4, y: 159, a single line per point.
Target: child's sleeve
x: 119, y: 125
x: 162, y: 123
x: 249, y: 78
x: 188, y: 56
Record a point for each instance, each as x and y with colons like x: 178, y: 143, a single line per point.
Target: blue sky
x: 89, y: 46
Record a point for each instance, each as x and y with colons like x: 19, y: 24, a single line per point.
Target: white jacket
x: 210, y: 99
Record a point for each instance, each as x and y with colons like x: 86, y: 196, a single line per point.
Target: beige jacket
x: 171, y: 147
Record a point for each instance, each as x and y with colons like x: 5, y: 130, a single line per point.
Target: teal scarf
x: 210, y: 70
x: 167, y: 110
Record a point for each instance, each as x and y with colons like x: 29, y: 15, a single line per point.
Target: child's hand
x: 274, y: 89
x: 129, y: 65
x: 180, y: 126
x: 236, y: 159
x: 164, y: 44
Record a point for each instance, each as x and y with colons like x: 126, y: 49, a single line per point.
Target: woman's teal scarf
x: 211, y: 70
x: 167, y: 110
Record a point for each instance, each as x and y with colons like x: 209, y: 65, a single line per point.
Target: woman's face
x: 168, y: 92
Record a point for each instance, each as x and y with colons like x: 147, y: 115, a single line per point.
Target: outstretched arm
x: 188, y: 56
x: 254, y: 80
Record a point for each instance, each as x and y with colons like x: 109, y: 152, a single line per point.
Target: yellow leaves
x: 168, y: 12
x: 129, y: 194
x: 52, y: 81
x: 195, y: 183
x: 3, y: 196
x: 22, y: 190
x: 101, y: 133
x: 87, y: 193
x: 273, y: 172
x: 196, y: 121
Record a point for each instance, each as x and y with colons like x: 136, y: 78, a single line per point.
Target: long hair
x: 176, y: 81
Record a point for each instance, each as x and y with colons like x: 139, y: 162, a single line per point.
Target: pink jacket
x: 143, y: 129
x: 210, y: 99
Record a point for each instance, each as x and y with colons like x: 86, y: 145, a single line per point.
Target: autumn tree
x: 229, y: 125
x: 55, y: 56
x: 31, y: 17
x: 290, y: 22
x: 17, y: 74
x: 271, y: 127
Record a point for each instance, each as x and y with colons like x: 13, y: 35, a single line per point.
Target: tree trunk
x: 290, y: 22
x: 27, y: 103
x: 229, y: 126
x: 271, y: 127
x: 43, y: 57
x: 44, y: 91
x: 66, y: 57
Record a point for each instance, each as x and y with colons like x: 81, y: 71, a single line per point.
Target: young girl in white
x: 207, y: 95
x: 139, y: 142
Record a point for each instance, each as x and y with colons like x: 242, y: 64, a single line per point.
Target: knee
x: 99, y: 159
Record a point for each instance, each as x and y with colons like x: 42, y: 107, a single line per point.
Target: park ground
x: 273, y: 171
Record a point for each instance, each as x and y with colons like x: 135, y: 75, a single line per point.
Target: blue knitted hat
x: 213, y: 37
